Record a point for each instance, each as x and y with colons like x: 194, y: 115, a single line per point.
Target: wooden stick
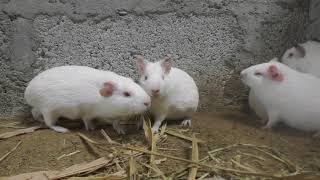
x: 67, y: 155
x: 155, y: 169
x: 194, y: 157
x: 8, y: 153
x: 108, y: 137
x: 172, y: 133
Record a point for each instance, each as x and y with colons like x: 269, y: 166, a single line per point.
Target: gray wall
x: 210, y: 39
x: 314, y: 18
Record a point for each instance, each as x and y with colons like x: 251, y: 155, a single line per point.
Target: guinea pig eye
x: 290, y: 55
x: 258, y: 74
x: 145, y: 78
x: 126, y: 94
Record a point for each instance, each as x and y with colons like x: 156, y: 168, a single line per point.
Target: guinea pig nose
x: 146, y: 104
x: 156, y: 91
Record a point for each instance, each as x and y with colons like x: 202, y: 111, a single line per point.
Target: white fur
x: 74, y: 92
x: 310, y: 63
x: 294, y: 100
x: 256, y: 105
x: 178, y: 97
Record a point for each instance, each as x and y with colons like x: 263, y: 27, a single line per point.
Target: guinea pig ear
x: 166, y: 64
x: 141, y: 64
x: 274, y: 73
x: 297, y: 51
x: 108, y: 88
x: 274, y: 60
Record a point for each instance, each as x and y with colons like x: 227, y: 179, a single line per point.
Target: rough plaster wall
x: 314, y: 17
x: 210, y: 39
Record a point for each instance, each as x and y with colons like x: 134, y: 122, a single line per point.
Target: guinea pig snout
x: 147, y: 104
x: 243, y: 75
x: 155, y: 92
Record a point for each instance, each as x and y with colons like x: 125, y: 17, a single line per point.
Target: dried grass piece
x: 38, y: 175
x: 302, y: 176
x: 203, y: 176
x: 155, y: 169
x: 8, y: 153
x: 147, y: 130
x: 176, y: 134
x: 19, y: 132
x: 168, y: 149
x: 153, y: 147
x: 151, y: 138
x: 81, y: 168
x: 67, y: 155
x: 242, y: 166
x: 107, y: 177
x: 132, y: 169
x: 84, y: 137
x: 163, y: 129
x: 72, y: 170
x: 254, y: 156
x: 194, y: 157
x: 290, y: 165
x: 12, y: 125
x: 277, y: 157
x: 159, y: 161
x: 105, y: 135
x: 86, y: 142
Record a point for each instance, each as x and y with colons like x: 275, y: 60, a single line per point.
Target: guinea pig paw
x: 264, y: 121
x: 155, y: 130
x: 89, y: 126
x: 139, y: 124
x: 316, y: 135
x: 120, y: 131
x: 266, y: 128
x: 186, y: 123
x: 117, y: 127
x: 60, y: 129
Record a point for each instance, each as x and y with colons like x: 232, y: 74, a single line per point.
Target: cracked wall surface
x: 314, y: 19
x: 210, y: 39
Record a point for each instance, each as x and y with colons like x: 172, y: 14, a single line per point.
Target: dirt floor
x: 39, y: 150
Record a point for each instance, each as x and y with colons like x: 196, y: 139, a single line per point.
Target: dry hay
x: 142, y: 160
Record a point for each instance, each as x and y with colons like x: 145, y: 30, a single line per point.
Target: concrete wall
x: 314, y: 18
x: 210, y: 39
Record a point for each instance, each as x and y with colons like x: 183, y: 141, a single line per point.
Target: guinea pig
x: 80, y: 92
x: 287, y: 95
x: 174, y: 94
x: 255, y: 103
x: 304, y: 57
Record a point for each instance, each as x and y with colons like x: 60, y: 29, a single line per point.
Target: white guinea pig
x: 304, y: 57
x: 286, y: 94
x: 80, y: 92
x: 256, y: 104
x: 174, y: 94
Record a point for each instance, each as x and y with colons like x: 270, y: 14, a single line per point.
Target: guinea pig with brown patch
x: 287, y: 95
